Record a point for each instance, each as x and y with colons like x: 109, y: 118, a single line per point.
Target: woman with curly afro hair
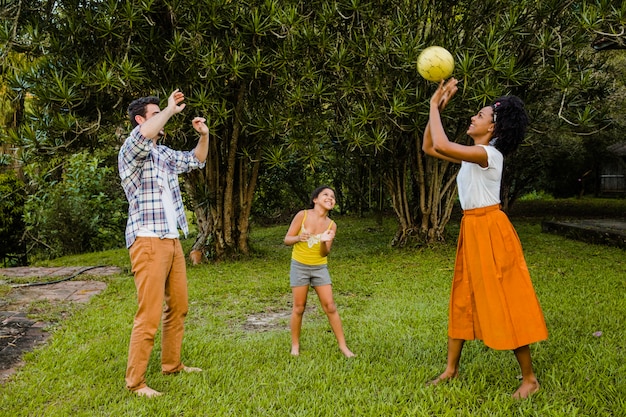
x: 492, y: 297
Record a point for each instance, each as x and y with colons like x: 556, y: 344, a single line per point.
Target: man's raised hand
x: 174, y: 101
x: 199, y: 123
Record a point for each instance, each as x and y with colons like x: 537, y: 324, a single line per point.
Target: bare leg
x: 529, y: 385
x: 325, y: 294
x: 455, y: 346
x: 297, y: 311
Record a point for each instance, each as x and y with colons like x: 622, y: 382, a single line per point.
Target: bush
x: 12, y: 250
x: 84, y: 211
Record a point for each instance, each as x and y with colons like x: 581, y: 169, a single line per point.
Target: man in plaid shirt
x: 149, y: 174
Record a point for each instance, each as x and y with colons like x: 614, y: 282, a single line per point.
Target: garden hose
x: 75, y: 274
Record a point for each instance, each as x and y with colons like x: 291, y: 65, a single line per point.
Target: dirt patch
x: 263, y: 322
x: 273, y: 320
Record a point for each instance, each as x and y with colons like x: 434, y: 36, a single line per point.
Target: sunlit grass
x: 393, y: 304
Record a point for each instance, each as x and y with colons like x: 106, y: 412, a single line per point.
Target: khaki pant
x: 160, y: 275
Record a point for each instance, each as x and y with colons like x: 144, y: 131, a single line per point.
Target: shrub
x: 84, y: 211
x: 12, y: 250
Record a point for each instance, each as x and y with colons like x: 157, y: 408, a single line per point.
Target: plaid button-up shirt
x: 143, y: 168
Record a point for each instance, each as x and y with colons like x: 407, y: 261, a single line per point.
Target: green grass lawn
x: 393, y: 304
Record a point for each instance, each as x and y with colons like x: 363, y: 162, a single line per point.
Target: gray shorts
x: 313, y: 275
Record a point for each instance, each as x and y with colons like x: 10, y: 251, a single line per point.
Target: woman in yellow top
x: 311, y: 234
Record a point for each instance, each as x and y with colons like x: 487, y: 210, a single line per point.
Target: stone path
x: 610, y: 232
x: 18, y: 333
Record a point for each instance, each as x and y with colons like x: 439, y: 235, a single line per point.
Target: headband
x: 495, y: 106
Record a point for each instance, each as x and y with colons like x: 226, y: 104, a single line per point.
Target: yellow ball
x: 435, y: 63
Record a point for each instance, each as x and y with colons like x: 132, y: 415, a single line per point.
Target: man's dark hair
x: 138, y: 108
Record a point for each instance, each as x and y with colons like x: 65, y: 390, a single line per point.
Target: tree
x: 326, y: 87
x: 380, y: 105
x: 236, y: 62
x: 581, y: 114
x: 605, y: 20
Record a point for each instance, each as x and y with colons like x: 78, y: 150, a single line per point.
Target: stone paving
x: 20, y: 334
x: 610, y: 232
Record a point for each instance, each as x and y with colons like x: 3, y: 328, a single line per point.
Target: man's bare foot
x: 445, y: 377
x: 347, y: 352
x: 526, y: 390
x: 147, y: 392
x: 295, y: 350
x: 190, y: 369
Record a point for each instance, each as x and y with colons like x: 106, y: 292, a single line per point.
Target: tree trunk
x: 423, y: 219
x: 396, y: 182
x: 222, y: 193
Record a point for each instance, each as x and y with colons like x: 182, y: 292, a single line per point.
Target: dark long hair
x: 317, y: 192
x: 511, y: 122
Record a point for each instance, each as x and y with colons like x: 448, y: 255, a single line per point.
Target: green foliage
x: 12, y: 198
x: 325, y: 88
x: 541, y: 206
x: 274, y: 200
x: 577, y: 113
x: 80, y: 210
x: 535, y: 195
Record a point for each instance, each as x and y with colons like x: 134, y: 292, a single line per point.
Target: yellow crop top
x: 308, y: 252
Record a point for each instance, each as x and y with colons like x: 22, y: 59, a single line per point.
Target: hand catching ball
x: 435, y: 63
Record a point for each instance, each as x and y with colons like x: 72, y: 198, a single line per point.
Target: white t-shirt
x: 170, y: 214
x: 478, y: 186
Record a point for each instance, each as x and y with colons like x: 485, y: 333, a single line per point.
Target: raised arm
x: 447, y: 92
x: 441, y: 146
x: 202, y: 148
x: 152, y: 127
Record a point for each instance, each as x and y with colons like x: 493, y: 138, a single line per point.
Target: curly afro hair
x: 511, y: 122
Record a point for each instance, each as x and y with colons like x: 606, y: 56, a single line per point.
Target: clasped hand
x: 327, y: 236
x: 445, y: 91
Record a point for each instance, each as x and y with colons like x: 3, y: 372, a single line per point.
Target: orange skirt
x: 492, y: 296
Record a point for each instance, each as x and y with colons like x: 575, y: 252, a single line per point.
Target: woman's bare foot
x: 347, y: 352
x: 527, y: 389
x: 147, y: 392
x: 444, y: 377
x: 295, y: 350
